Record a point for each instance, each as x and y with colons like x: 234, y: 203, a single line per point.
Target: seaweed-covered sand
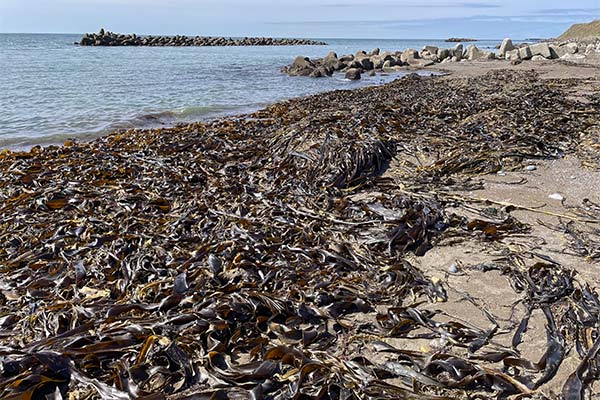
x: 389, y: 242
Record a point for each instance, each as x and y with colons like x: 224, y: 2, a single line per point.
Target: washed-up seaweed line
x: 258, y: 257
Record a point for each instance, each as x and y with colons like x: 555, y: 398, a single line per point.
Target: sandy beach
x: 434, y: 237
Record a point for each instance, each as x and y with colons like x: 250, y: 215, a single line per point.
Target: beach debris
x: 556, y: 196
x: 530, y: 168
x: 272, y: 255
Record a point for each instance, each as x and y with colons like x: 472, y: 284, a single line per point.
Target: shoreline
x: 356, y: 241
x: 25, y: 143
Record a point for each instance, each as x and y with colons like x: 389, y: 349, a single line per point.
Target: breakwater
x: 106, y: 38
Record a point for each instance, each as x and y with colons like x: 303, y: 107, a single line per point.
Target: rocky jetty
x: 459, y: 40
x: 354, y: 65
x: 105, y: 38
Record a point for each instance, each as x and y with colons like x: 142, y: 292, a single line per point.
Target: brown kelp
x: 271, y: 255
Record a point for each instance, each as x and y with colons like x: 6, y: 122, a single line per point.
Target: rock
x: 572, y: 57
x: 316, y: 73
x: 431, y: 49
x: 525, y: 53
x: 538, y: 58
x: 372, y: 73
x: 564, y: 49
x: 330, y: 59
x: 302, y: 66
x: 442, y: 54
x: 377, y: 61
x: 540, y: 49
x: 512, y: 55
x: 395, y: 68
x: 458, y: 51
x: 474, y: 53
x: 321, y: 71
x: 455, y: 59
x: 557, y: 196
x: 361, y: 54
x: 420, y: 63
x: 375, y: 51
x: 530, y: 168
x: 516, y: 62
x: 507, y: 45
x: 590, y: 48
x: 387, y: 65
x: 347, y: 58
x: 453, y: 269
x: 409, y: 54
x: 367, y: 64
x: 353, y: 74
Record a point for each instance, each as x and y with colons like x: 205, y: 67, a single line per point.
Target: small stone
x: 557, y: 196
x: 530, y: 168
x: 501, y: 173
x: 453, y: 269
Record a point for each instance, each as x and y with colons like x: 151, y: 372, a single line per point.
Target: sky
x: 405, y: 19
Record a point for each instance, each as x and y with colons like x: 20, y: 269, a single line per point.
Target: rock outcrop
x: 104, y: 38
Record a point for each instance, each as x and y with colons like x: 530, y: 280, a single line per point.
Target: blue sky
x: 406, y: 19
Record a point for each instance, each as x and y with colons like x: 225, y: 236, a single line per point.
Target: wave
x: 145, y: 120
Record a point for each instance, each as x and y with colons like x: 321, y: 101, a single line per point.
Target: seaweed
x: 261, y: 256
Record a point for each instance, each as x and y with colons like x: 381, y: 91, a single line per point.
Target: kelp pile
x: 271, y: 256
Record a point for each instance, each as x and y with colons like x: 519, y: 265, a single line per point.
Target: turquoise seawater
x: 51, y: 90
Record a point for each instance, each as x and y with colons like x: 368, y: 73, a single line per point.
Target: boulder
x: 367, y: 64
x: 474, y: 53
x: 375, y: 51
x: 540, y: 49
x: 420, y: 62
x: 512, y: 55
x: 564, y: 49
x: 507, y: 45
x: 330, y: 59
x: 572, y: 57
x: 377, y: 61
x: 538, y: 58
x: 442, y: 54
x: 409, y: 54
x: 431, y: 49
x: 457, y: 51
x: 302, y: 66
x: 525, y: 53
x: 353, y: 74
x: 347, y: 58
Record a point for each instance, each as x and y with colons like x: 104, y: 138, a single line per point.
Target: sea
x: 52, y: 90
